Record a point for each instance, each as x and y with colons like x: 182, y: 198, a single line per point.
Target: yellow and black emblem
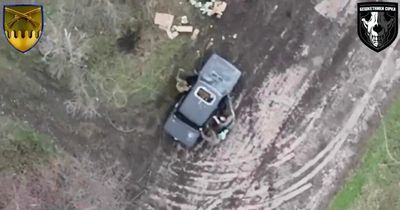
x: 23, y: 25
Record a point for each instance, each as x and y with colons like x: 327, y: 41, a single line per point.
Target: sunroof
x: 205, y: 95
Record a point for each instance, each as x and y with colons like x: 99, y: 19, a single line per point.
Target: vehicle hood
x: 181, y: 131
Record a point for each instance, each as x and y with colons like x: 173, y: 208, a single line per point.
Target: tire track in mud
x: 298, y: 120
x: 236, y: 146
x: 203, y: 190
x: 213, y: 194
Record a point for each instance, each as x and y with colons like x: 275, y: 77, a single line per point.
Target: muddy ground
x: 306, y: 104
x: 310, y: 94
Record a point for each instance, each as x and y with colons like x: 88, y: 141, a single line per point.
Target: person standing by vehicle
x: 209, y: 136
x: 224, y: 125
x: 184, y: 85
x: 225, y: 119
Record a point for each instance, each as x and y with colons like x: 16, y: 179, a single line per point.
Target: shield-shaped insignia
x: 23, y: 25
x: 377, y: 24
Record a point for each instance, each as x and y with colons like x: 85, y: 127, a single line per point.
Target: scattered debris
x: 172, y: 34
x: 183, y: 29
x: 210, y: 7
x: 164, y: 21
x: 206, y: 8
x: 210, y: 43
x: 195, y: 34
x: 223, y: 38
x: 234, y: 36
x: 219, y: 8
x: 184, y: 20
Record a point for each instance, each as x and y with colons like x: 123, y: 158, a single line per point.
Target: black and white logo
x: 377, y: 24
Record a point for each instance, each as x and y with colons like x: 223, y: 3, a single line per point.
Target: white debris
x: 164, y: 21
x: 184, y: 20
x: 223, y: 37
x: 183, y: 29
x: 219, y: 8
x: 195, y: 34
x: 209, y: 8
x: 172, y: 35
x: 206, y: 8
x: 234, y: 36
x: 209, y: 45
x: 331, y: 8
x: 305, y: 50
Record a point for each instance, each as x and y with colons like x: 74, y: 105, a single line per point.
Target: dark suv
x: 215, y: 81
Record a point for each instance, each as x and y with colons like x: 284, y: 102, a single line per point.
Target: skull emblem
x: 377, y: 25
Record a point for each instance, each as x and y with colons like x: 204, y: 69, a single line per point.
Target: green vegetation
x: 376, y: 182
x: 21, y: 148
x: 119, y: 76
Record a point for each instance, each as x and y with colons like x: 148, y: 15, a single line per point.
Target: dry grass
x: 87, y: 186
x: 66, y: 183
x: 84, y: 46
x: 21, y: 147
x: 34, y: 175
x: 67, y: 49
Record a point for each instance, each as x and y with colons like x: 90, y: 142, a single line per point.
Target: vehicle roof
x: 219, y: 77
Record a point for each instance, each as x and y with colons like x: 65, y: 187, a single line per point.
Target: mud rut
x: 310, y: 90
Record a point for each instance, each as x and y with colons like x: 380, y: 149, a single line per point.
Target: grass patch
x: 22, y: 148
x: 36, y: 175
x: 106, y: 53
x: 376, y: 182
x: 110, y: 53
x: 121, y: 76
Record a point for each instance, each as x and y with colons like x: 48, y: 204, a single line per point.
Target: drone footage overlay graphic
x: 23, y: 25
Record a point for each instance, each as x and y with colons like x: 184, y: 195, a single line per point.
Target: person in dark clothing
x: 191, y: 80
x: 184, y: 85
x: 224, y: 119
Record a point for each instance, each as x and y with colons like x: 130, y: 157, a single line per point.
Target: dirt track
x: 309, y: 91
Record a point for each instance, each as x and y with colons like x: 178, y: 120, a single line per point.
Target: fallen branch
x: 118, y: 127
x: 16, y: 197
x: 385, y: 136
x: 138, y: 195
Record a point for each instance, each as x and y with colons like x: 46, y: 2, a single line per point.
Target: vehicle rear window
x: 205, y: 95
